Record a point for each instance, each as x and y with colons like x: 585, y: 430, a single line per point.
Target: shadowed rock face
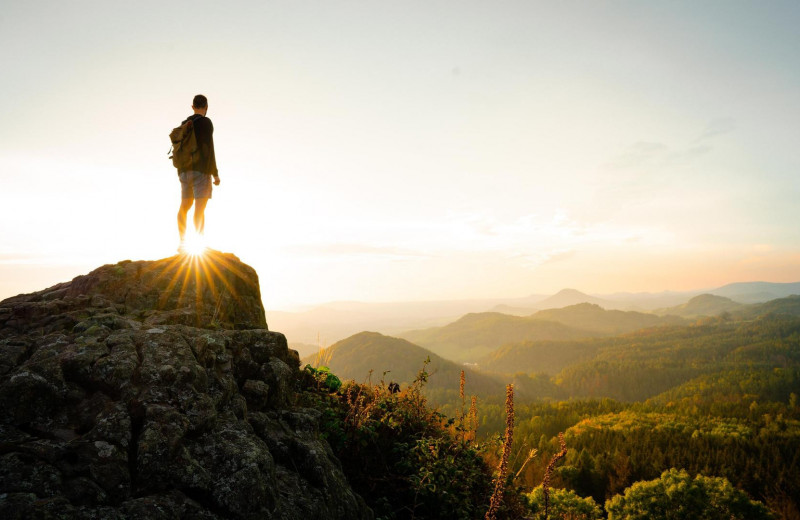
x: 154, y: 390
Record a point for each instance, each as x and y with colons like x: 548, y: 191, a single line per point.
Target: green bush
x: 563, y: 503
x: 399, y: 454
x: 675, y: 495
x: 323, y: 376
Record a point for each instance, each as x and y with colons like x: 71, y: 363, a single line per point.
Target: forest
x: 718, y: 398
x: 712, y: 402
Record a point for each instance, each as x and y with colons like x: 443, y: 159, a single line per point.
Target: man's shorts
x: 195, y: 185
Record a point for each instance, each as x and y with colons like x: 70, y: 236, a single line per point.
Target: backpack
x: 184, y: 146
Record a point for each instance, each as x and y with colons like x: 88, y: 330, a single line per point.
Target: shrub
x: 564, y: 504
x: 400, y: 455
x: 675, y: 495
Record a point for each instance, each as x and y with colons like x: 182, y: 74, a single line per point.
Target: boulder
x: 155, y: 390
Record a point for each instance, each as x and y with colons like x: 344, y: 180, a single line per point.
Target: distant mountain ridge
x: 328, y: 323
x: 757, y: 292
x: 513, y: 311
x: 568, y: 297
x: 711, y: 305
x: 331, y: 322
x: 475, y: 335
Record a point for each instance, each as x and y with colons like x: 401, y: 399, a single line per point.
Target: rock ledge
x: 155, y: 390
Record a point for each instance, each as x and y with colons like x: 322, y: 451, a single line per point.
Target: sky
x: 414, y: 150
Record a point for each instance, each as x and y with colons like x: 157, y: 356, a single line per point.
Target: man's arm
x: 204, y: 133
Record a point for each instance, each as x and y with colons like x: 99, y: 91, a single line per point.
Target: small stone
x: 98, y: 301
x: 104, y: 449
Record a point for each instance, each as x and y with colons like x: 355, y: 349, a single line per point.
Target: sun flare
x: 195, y: 244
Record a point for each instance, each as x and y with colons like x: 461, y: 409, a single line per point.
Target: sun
x: 195, y: 244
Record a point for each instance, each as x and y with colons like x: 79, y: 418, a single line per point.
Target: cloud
x: 647, y: 170
x: 16, y: 258
x: 684, y: 157
x: 540, y: 239
x: 717, y: 127
x: 533, y: 260
x: 639, y: 154
x: 353, y: 250
x: 40, y: 259
x: 649, y: 156
x: 695, y: 151
x: 527, y: 240
x: 645, y: 156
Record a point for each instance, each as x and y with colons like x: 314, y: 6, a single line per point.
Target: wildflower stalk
x: 462, y: 383
x: 546, y: 480
x: 499, y: 483
x: 472, y: 418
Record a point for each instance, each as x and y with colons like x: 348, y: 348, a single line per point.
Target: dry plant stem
x: 499, y: 483
x: 549, y: 471
x: 359, y: 407
x: 531, y: 455
x: 462, y: 383
x: 473, y: 418
x: 323, y: 355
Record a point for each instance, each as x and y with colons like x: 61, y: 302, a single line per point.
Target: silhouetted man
x: 196, y: 183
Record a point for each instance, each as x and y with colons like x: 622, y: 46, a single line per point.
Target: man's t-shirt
x: 206, y: 161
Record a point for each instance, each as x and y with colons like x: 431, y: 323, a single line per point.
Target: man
x: 196, y: 182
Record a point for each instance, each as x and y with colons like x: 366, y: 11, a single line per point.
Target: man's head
x: 200, y: 104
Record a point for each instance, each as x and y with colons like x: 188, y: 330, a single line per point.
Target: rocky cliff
x: 155, y: 390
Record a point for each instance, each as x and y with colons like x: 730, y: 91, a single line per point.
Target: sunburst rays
x: 206, y: 282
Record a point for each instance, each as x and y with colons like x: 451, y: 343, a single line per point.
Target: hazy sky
x: 402, y: 150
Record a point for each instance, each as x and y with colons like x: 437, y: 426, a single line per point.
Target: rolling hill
x: 550, y: 357
x: 475, y: 335
x: 536, y: 357
x: 714, y: 355
x: 592, y: 317
x: 703, y: 305
x: 370, y: 352
x: 789, y: 306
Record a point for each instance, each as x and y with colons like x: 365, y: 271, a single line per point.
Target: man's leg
x: 199, y: 215
x: 182, y: 212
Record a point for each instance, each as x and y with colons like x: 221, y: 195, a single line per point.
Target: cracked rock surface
x: 155, y: 390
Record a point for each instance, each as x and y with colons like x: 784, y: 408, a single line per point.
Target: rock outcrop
x: 155, y: 390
